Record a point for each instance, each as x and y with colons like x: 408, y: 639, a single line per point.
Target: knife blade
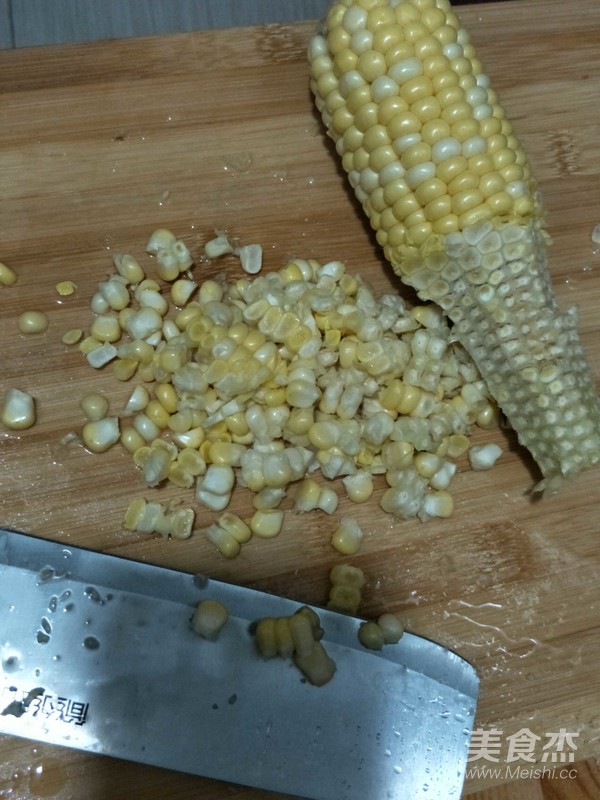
x: 98, y: 655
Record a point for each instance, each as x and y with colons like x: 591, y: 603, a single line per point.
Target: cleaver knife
x: 97, y: 654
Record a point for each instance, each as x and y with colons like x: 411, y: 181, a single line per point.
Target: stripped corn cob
x: 446, y: 185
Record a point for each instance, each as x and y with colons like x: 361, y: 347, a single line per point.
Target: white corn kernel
x: 219, y: 479
x: 218, y: 246
x: 101, y: 355
x: 484, y: 456
x: 216, y: 502
x: 138, y: 400
x: 250, y: 256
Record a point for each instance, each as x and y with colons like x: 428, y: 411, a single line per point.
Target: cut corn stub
x: 438, y: 170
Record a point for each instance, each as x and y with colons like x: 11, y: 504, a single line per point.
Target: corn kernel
x: 266, y: 523
x: 7, y: 276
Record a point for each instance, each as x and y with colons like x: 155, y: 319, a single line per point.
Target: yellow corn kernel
x: 18, y: 410
x: 34, y: 322
x: 209, y: 619
x: 179, y: 476
x: 347, y: 575
x: 134, y: 513
x: 131, y: 439
x: 371, y: 636
x: 316, y: 665
x: 221, y: 452
x: 302, y: 633
x: 181, y: 522
x: 344, y: 598
x: 181, y: 421
x: 141, y: 454
x: 391, y: 628
x: 7, y: 276
x: 438, y: 504
x: 65, y: 288
x: 191, y: 461
x: 307, y: 496
x: 488, y: 417
x: 427, y: 464
x: 300, y: 421
x: 99, y: 435
x: 224, y: 541
x: 266, y: 523
x: 291, y: 272
x: 106, y: 328
x: 266, y: 637
x: 347, y: 537
x: 235, y: 526
x: 124, y: 368
x: 236, y: 424
x: 324, y: 435
x: 94, y: 405
x: 274, y: 397
x: 156, y: 412
x: 283, y: 637
x: 167, y: 396
x: 128, y: 268
x: 184, y: 318
x: 72, y: 336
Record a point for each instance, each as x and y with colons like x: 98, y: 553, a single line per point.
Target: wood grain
x: 100, y: 144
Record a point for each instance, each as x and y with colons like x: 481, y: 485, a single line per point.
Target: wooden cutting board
x: 102, y: 143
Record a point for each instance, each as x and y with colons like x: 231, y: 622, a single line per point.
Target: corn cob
x: 446, y: 185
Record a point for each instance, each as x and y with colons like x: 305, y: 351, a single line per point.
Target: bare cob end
x: 446, y: 185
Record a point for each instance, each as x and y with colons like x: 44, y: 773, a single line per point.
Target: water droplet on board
x: 46, y: 778
x: 48, y: 573
x: 10, y: 664
x: 93, y: 594
x: 41, y: 637
x: 53, y: 604
x: 91, y: 643
x: 237, y: 163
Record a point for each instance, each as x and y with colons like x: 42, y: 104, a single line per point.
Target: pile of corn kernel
x: 270, y: 381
